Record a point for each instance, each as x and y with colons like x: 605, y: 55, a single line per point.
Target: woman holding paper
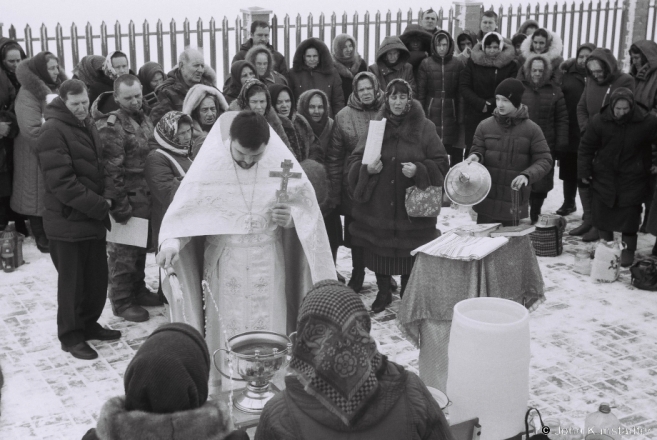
x: 411, y: 154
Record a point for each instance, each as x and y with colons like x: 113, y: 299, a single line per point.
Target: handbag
x: 544, y: 430
x: 548, y: 242
x: 424, y: 202
x: 644, y: 275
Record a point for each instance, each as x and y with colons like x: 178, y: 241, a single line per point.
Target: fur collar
x: 411, y: 127
x: 554, y: 44
x: 199, y: 92
x: 506, y: 56
x: 528, y: 67
x: 209, y: 422
x: 32, y: 83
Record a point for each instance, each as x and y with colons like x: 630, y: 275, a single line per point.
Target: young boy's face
x: 504, y: 106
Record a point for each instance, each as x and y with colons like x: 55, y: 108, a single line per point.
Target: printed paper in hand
x: 374, y: 141
x: 134, y: 232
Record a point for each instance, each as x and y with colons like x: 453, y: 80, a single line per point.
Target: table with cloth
x: 437, y: 284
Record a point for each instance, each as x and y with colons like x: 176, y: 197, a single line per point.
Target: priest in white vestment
x: 259, y: 253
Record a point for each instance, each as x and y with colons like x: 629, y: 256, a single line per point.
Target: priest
x: 244, y: 236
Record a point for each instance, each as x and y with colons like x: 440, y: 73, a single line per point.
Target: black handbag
x: 544, y: 430
x: 644, y: 275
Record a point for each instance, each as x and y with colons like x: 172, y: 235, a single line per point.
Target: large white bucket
x: 488, y: 372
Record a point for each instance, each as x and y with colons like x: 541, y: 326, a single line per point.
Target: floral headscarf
x: 166, y: 130
x: 355, y: 102
x: 407, y: 109
x: 107, y: 66
x: 334, y: 355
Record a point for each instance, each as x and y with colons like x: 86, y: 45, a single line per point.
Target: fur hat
x: 511, y: 89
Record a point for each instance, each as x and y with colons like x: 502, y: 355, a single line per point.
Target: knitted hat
x: 511, y: 89
x: 169, y: 372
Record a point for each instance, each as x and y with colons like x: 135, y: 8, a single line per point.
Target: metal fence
x: 603, y: 24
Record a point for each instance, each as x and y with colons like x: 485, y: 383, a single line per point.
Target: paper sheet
x: 464, y: 248
x: 134, y: 232
x: 374, y: 141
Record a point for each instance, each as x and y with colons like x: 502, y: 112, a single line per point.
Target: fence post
x: 297, y: 29
x: 59, y: 40
x: 75, y: 52
x: 146, y: 38
x: 132, y: 43
x: 199, y: 33
x: 399, y: 22
x: 160, y: 43
x: 12, y: 32
x: 388, y: 22
x: 333, y: 26
x: 238, y: 36
x: 28, y: 41
x: 366, y: 37
x: 467, y: 15
x: 173, y: 41
x: 186, y: 32
x: 89, y: 39
x: 117, y: 36
x: 345, y: 19
x: 224, y: 46
x: 377, y: 31
x: 322, y: 27
x: 310, y: 24
x: 213, y: 44
x: 355, y: 26
x: 274, y: 32
x: 44, y: 37
x: 286, y: 39
x: 103, y: 39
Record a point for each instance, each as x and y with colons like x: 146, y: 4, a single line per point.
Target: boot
x: 404, y: 282
x: 644, y: 226
x: 591, y: 235
x: 569, y: 192
x: 132, y: 312
x: 393, y: 284
x: 384, y: 296
x: 581, y: 229
x: 358, y: 271
x: 627, y: 254
x: 585, y: 198
x: 535, y: 205
x: 144, y: 297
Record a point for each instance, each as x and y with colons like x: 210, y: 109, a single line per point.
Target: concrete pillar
x: 251, y: 14
x: 467, y: 15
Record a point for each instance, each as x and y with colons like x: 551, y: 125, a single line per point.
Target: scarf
x: 304, y: 103
x: 347, y: 67
x: 39, y: 65
x: 617, y: 95
x: 242, y: 99
x: 392, y: 118
x: 146, y: 74
x: 276, y: 89
x: 355, y: 102
x: 11, y: 75
x: 107, y: 65
x: 166, y: 129
x: 334, y: 355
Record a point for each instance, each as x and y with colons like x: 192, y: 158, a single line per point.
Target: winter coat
x: 90, y: 71
x: 618, y: 156
x: 271, y: 76
x: 553, y: 53
x: 303, y: 142
x: 280, y: 65
x: 381, y: 222
x: 509, y: 147
x: 70, y: 155
x: 402, y: 69
x: 479, y: 80
x: 596, y: 95
x: 146, y: 74
x: 415, y: 31
x: 645, y: 79
x: 28, y: 188
x: 351, y: 124
x: 171, y: 93
x: 116, y: 423
x: 126, y: 144
x: 9, y: 86
x: 322, y: 139
x: 324, y: 77
x: 572, y: 86
x: 163, y: 179
x: 347, y: 77
x: 437, y: 90
x: 402, y: 409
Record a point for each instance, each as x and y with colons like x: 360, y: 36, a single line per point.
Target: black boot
x: 627, y: 254
x: 384, y: 296
x: 535, y: 205
x: 404, y: 282
x: 358, y: 271
x: 586, y: 226
x: 569, y: 192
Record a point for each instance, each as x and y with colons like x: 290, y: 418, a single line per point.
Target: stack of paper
x: 481, y: 230
x: 464, y: 248
x: 513, y: 231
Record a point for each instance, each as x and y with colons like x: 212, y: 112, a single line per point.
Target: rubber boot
x: 587, y: 225
x: 569, y: 192
x: 404, y: 282
x: 358, y: 268
x: 384, y: 296
x: 627, y: 254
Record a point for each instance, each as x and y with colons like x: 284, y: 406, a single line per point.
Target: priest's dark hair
x: 250, y: 129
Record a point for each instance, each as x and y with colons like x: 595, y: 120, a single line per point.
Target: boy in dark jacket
x: 76, y: 218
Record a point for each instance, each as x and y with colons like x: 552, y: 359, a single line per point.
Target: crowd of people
x: 108, y: 145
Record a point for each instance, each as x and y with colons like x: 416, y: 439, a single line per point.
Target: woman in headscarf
x: 166, y: 393
x: 116, y: 64
x: 343, y: 387
x: 11, y: 54
x: 546, y: 43
x: 314, y: 106
x: 283, y: 100
x: 392, y: 62
x: 263, y: 60
x: 412, y: 154
x: 90, y: 71
x: 418, y: 42
x: 39, y: 76
x: 615, y: 159
x: 240, y: 71
x: 204, y: 104
x: 347, y: 61
x: 150, y: 75
x: 297, y: 128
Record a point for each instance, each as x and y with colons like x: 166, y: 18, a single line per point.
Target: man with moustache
x: 125, y: 134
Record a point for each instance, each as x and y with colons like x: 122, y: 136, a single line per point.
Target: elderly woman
x: 412, y: 154
x: 39, y: 76
x: 240, y: 71
x: 546, y: 43
x: 263, y: 60
x: 150, y: 75
x: 313, y: 68
x: 204, y: 104
x: 90, y: 71
x: 347, y: 61
x: 615, y: 159
x: 314, y: 106
x: 343, y: 387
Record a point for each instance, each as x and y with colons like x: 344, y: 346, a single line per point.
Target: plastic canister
x: 602, y: 425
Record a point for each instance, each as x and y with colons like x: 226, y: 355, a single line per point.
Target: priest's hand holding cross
x: 282, y: 213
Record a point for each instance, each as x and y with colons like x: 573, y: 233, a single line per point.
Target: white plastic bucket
x: 488, y: 370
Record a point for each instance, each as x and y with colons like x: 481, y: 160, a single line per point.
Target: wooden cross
x: 285, y: 175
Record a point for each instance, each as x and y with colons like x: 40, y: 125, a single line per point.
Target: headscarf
x: 233, y: 87
x: 107, y: 66
x: 351, y: 63
x: 304, y: 104
x: 146, y: 74
x: 622, y: 93
x: 355, y: 102
x: 166, y: 130
x: 242, y: 99
x: 89, y: 69
x: 170, y: 371
x: 390, y: 116
x: 39, y: 65
x: 499, y: 36
x: 276, y: 89
x: 334, y: 355
x: 4, y: 48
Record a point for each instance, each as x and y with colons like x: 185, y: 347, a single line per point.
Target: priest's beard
x: 244, y: 165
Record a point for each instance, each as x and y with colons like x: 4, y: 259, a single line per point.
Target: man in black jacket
x: 260, y: 35
x: 76, y: 218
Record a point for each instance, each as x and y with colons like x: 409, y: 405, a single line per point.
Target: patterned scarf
x: 107, y: 66
x: 166, y: 129
x: 355, y: 102
x: 334, y: 355
x: 243, y: 100
x: 396, y: 120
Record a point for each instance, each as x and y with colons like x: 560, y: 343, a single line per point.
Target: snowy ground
x: 590, y: 343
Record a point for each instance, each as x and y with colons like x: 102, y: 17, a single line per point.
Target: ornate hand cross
x: 285, y: 175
